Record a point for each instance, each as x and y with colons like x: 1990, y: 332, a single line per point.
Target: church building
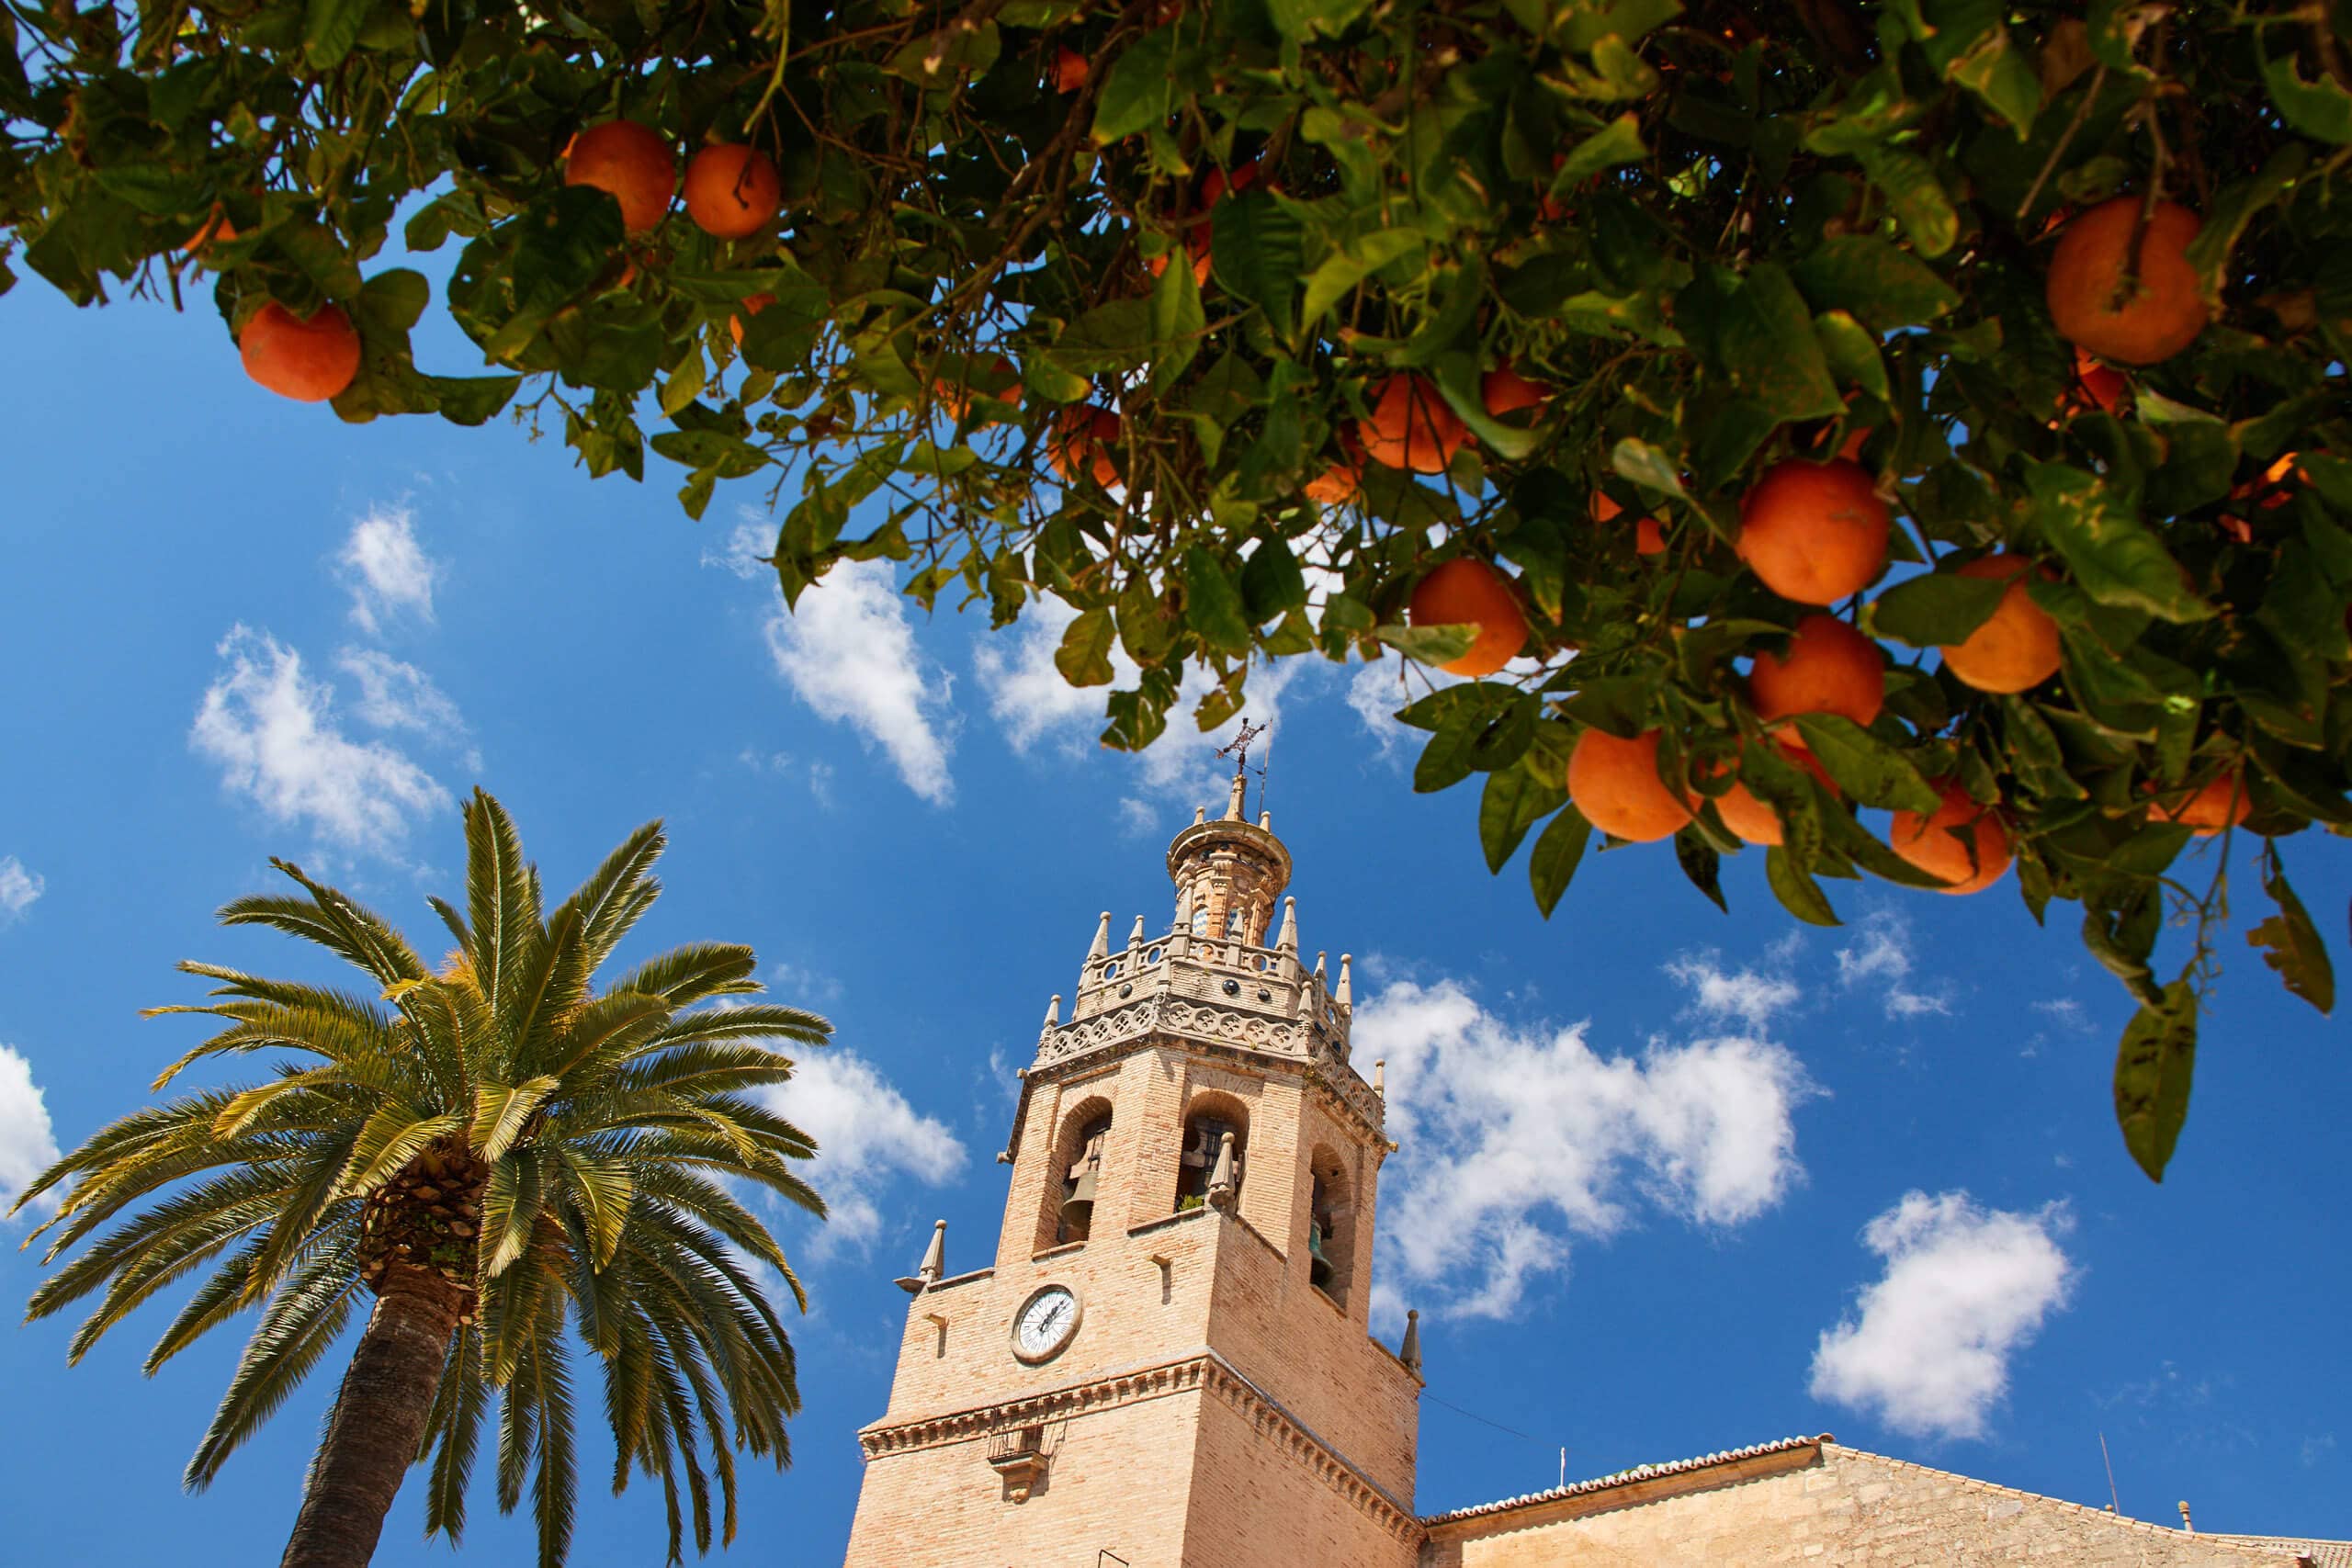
x: 1170, y: 1363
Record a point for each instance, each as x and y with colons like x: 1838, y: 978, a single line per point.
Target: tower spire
x: 1102, y: 948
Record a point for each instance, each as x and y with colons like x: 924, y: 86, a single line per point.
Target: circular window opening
x: 1233, y: 988
x: 1109, y: 970
x: 1152, y: 957
x: 1264, y: 963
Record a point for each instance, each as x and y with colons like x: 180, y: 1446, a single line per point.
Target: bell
x: 1318, y: 1267
x: 1077, y: 1208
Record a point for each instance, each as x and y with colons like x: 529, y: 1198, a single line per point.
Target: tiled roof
x: 2321, y: 1553
x: 1639, y: 1472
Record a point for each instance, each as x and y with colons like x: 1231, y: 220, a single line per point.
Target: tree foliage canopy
x: 1714, y: 236
x: 561, y: 1153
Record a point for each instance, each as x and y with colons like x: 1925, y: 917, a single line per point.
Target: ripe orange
x: 216, y: 228
x: 1649, y: 539
x: 308, y: 361
x: 2222, y: 803
x: 1814, y: 532
x: 1749, y: 819
x: 1343, y: 477
x: 2016, y: 649
x: 1467, y: 592
x: 732, y: 191
x: 1963, y: 843
x: 1614, y: 782
x: 632, y: 162
x: 1410, y: 426
x: 752, y: 305
x: 1084, y: 441
x: 1829, y: 668
x: 2096, y: 386
x: 1505, y: 392
x: 1215, y: 187
x: 1069, y: 69
x: 2160, y: 315
x: 957, y: 398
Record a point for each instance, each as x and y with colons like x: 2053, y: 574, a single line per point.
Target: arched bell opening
x: 1210, y: 1164
x: 1074, y: 1180
x: 1330, y: 1226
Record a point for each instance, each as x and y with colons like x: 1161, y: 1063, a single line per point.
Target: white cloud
x: 849, y: 652
x: 28, y: 1147
x: 1880, y: 955
x: 386, y: 571
x: 395, y: 695
x: 1718, y: 993
x: 803, y: 984
x: 867, y: 1136
x: 1032, y: 703
x: 1380, y: 690
x: 2064, y: 1012
x: 274, y: 736
x: 1965, y: 1287
x: 1505, y: 1128
x: 744, y: 550
x: 18, y: 888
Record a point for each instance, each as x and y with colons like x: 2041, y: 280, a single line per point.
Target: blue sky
x: 1670, y: 1182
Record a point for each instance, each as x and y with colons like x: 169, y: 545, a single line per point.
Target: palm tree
x: 508, y: 1158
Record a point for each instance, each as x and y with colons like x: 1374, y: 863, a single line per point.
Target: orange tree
x: 1696, y: 324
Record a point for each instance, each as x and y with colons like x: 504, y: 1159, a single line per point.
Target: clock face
x: 1045, y: 1324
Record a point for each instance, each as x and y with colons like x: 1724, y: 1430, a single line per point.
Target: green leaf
x: 1701, y: 865
x: 1272, y: 580
x: 1553, y: 862
x: 1337, y: 274
x: 2110, y: 554
x: 1515, y: 799
x: 2152, y: 1069
x: 1213, y: 605
x: 1302, y: 19
x: 1619, y: 142
x: 1177, y: 324
x: 1916, y: 196
x: 1852, y: 352
x: 1796, y: 888
x: 1763, y: 337
x: 2291, y: 944
x: 1936, y: 609
x: 1138, y: 90
x: 1866, y: 768
x: 1430, y: 645
x: 329, y: 29
x: 1084, y: 655
x: 2232, y: 208
x: 1258, y: 247
x: 2318, y: 108
x: 1883, y: 285
x: 473, y: 399
x: 686, y: 382
x: 1647, y: 466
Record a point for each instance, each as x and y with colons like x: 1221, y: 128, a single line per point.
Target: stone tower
x: 1168, y: 1360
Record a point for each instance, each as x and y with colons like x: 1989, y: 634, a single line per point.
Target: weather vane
x: 1239, y: 749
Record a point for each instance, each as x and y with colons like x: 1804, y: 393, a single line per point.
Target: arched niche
x: 1331, y: 1224
x: 1208, y: 1116
x: 1074, y: 1175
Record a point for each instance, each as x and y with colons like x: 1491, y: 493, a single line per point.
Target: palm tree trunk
x: 377, y: 1423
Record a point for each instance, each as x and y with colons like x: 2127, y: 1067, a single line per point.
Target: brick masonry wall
x: 1117, y: 1480
x: 1247, y: 1513
x: 1849, y: 1509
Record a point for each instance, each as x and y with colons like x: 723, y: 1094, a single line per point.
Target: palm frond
x: 457, y: 1425
x: 501, y: 1112
x: 502, y: 908
x: 555, y: 1489
x: 333, y: 920
x: 616, y: 891
x: 684, y: 976
x: 301, y: 1322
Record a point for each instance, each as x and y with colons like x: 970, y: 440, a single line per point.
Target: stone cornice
x: 1205, y: 1372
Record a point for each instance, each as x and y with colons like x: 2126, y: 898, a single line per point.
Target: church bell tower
x: 1168, y: 1363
